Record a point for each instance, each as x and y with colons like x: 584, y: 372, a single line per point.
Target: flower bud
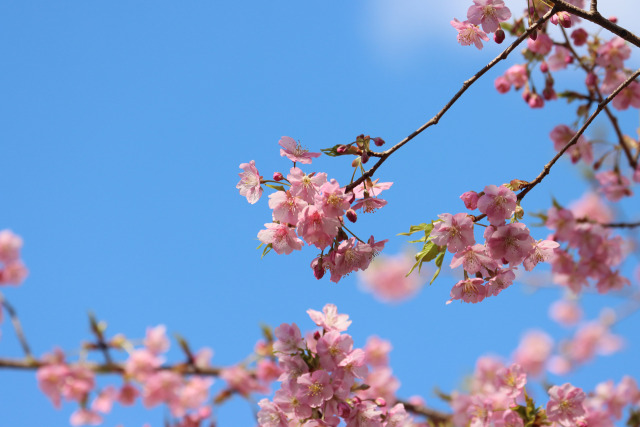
x: 535, y: 101
x: 613, y: 19
x: 277, y: 176
x: 365, y: 157
x: 564, y: 19
x: 591, y: 80
x: 549, y: 94
x: 378, y: 141
x: 341, y: 149
x: 499, y: 36
x: 316, y: 335
x: 544, y: 67
x: 470, y: 199
x: 344, y: 410
x: 352, y: 215
x: 534, y: 36
x: 519, y: 213
x: 318, y: 268
x: 381, y: 402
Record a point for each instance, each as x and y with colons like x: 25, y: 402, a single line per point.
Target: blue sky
x: 122, y: 125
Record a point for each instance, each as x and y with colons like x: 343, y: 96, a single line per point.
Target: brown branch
x: 610, y: 224
x: 436, y: 417
x: 434, y: 121
x: 598, y: 19
x: 111, y: 368
x: 574, y: 140
x: 17, y: 326
x: 594, y: 6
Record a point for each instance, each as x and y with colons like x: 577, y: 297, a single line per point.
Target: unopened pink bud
x: 535, y: 101
x: 277, y: 176
x: 565, y: 19
x: 352, y: 215
x: 613, y: 19
x: 470, y: 199
x: 378, y: 141
x: 365, y: 157
x: 568, y: 59
x: 318, y: 269
x: 341, y: 149
x: 533, y: 36
x: 544, y: 67
x: 499, y: 36
x: 317, y: 335
x: 549, y: 94
x: 381, y: 402
x: 344, y: 410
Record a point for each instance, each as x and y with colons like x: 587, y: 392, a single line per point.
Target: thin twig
x: 17, y: 326
x: 434, y: 121
x: 574, y: 140
x: 610, y: 224
x: 436, y: 417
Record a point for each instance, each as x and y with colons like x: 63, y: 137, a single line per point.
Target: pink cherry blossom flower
x: 306, y: 186
x: 104, y: 402
x: 249, y: 184
x: 13, y: 273
x: 470, y: 199
x: 156, y: 340
x: 193, y: 393
x: 511, y: 380
x: 369, y: 204
x: 240, y: 380
x: 542, y: 45
x: 498, y: 203
x: 387, y: 278
x: 288, y: 339
x: 489, y: 13
x: 295, y: 152
x: 332, y: 201
x: 559, y: 60
x: 612, y: 79
x: 373, y: 188
x: 128, y: 394
x: 565, y: 404
x: 316, y: 228
x: 502, y: 85
x: 474, y: 259
x: 468, y: 290
x: 593, y: 338
x: 332, y: 348
x: 469, y: 34
x: 562, y: 221
x: 500, y: 281
x: 329, y: 319
x: 562, y: 134
x: 613, y: 53
x: 511, y: 243
x: 377, y: 351
x: 365, y: 414
x: 10, y: 245
x: 351, y: 255
x: 286, y: 207
x: 566, y: 313
x: 517, y: 75
x: 141, y: 363
x: 281, y: 237
x: 454, y: 231
x: 629, y: 96
x: 542, y: 252
x: 314, y: 388
x: 533, y: 352
x: 84, y: 417
x: 270, y: 415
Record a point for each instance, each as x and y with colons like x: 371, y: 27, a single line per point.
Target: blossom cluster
x: 589, y: 251
x: 143, y: 378
x: 489, y: 267
x: 12, y: 269
x: 486, y: 13
x: 498, y: 397
x: 323, y: 378
x: 310, y: 208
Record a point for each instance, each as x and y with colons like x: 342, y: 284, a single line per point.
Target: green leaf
x: 415, y: 228
x: 266, y: 250
x: 276, y: 187
x: 439, y: 260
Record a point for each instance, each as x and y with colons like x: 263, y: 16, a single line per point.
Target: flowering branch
x: 574, y: 140
x: 434, y: 121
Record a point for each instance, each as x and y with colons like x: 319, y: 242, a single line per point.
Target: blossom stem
x: 353, y: 234
x: 17, y: 326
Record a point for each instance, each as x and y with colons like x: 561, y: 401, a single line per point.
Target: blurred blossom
x: 387, y: 278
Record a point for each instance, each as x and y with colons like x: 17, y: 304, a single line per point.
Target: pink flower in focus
x: 454, y: 231
x: 489, y: 13
x: 314, y: 388
x: 469, y: 34
x: 501, y: 281
x: 329, y: 319
x: 565, y: 404
x: 249, y: 184
x: 374, y: 188
x: 474, y: 259
x: 387, y: 278
x: 270, y: 415
x: 351, y: 255
x: 498, y: 203
x: 468, y: 290
x: 470, y: 199
x: 316, y: 228
x: 286, y: 207
x: 288, y: 339
x: 333, y: 201
x: 542, y: 252
x: 281, y: 237
x: 369, y: 204
x: 510, y: 243
x: 295, y: 152
x: 305, y: 186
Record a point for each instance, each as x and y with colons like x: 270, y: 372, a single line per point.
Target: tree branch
x: 434, y: 121
x: 17, y: 326
x: 574, y: 140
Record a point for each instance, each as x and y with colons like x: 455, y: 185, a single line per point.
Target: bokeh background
x: 122, y: 125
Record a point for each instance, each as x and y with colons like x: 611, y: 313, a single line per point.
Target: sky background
x: 122, y: 125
